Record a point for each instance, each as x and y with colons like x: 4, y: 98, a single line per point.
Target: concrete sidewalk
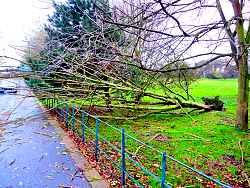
x: 36, y: 153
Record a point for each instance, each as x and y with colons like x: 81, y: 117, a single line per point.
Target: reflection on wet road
x: 31, y: 152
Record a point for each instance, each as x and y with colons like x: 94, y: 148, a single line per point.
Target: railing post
x: 48, y: 103
x: 62, y: 113
x: 97, y: 123
x: 67, y: 115
x: 60, y: 110
x: 63, y: 110
x: 123, y: 165
x: 163, y: 171
x: 83, y: 127
x: 53, y: 105
x: 73, y: 118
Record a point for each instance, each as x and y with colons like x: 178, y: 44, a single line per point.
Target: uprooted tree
x: 139, y: 55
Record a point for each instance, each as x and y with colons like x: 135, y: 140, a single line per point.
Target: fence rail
x: 68, y: 113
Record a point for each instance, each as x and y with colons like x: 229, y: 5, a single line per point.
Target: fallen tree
x: 122, y: 57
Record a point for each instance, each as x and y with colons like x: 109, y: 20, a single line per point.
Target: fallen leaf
x: 12, y: 162
x: 43, y: 134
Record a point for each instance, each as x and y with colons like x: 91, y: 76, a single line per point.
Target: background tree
x: 122, y: 56
x: 183, y: 31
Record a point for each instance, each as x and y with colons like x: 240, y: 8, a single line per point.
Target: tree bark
x: 242, y: 60
x: 243, y: 90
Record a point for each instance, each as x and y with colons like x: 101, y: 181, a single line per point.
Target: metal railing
x: 71, y: 114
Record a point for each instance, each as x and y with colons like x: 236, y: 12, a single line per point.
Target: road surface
x: 31, y: 151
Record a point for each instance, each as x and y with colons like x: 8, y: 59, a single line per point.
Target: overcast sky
x: 18, y: 18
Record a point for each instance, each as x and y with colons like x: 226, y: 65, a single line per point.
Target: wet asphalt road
x: 31, y: 152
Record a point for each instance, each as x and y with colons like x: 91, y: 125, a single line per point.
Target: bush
x: 215, y: 75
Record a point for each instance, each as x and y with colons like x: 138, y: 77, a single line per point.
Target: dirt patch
x: 162, y: 138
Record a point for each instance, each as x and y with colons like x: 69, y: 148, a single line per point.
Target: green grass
x: 208, y: 141
x: 223, y: 88
x: 202, y: 141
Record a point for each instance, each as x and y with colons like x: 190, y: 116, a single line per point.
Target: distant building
x: 217, y: 69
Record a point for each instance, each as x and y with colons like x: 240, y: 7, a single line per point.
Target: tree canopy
x: 123, y: 54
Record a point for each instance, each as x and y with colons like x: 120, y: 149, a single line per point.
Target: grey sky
x: 17, y: 20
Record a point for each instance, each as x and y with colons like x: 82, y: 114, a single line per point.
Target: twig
x: 242, y: 154
x: 196, y: 136
x: 247, y: 178
x: 141, y: 146
x: 4, y: 150
x: 12, y: 162
x: 44, y: 134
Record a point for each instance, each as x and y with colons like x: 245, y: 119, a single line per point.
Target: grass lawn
x: 207, y: 141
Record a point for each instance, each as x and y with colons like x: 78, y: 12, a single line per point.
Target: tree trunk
x: 243, y: 89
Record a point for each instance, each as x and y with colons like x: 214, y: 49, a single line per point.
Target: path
x: 32, y: 153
